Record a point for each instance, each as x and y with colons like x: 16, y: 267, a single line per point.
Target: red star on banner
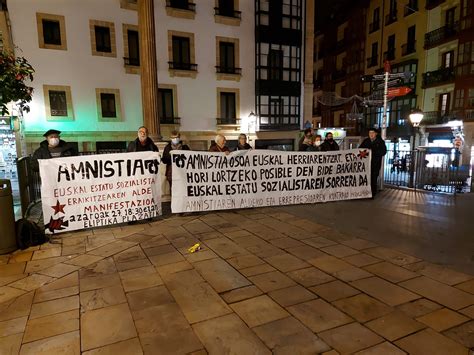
x: 58, y: 208
x: 363, y: 154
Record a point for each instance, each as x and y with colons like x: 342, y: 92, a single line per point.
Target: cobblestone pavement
x: 264, y: 281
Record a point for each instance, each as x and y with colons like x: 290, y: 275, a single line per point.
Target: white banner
x: 99, y: 190
x: 205, y: 181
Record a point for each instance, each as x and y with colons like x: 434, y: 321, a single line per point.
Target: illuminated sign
x: 337, y: 133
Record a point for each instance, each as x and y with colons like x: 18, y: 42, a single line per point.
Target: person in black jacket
x: 329, y: 143
x: 378, y: 149
x: 175, y: 144
x: 243, y: 145
x: 52, y: 147
x: 143, y: 143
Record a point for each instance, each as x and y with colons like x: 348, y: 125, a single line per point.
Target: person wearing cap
x: 378, y: 149
x: 142, y: 143
x: 175, y: 144
x: 52, y: 147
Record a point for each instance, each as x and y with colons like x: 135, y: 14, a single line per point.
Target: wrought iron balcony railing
x: 441, y: 35
x: 408, y: 48
x: 438, y: 77
x: 182, y: 66
x: 182, y: 5
x: 228, y: 70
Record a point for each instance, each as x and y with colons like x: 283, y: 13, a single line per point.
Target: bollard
x: 7, y: 218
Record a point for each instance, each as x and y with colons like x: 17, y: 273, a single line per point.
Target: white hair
x: 218, y: 137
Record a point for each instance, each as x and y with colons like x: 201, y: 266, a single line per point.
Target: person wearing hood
x: 329, y: 144
x: 52, y: 147
x: 142, y: 143
x: 175, y: 144
x: 243, y: 145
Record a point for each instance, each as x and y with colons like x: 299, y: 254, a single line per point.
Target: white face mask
x: 53, y: 142
x: 175, y: 140
x: 317, y: 143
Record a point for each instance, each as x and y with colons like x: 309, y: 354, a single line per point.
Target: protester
x: 329, y: 143
x: 242, y: 144
x: 220, y: 145
x: 378, y: 149
x: 316, y: 147
x: 175, y: 144
x: 306, y: 141
x: 142, y: 143
x: 52, y: 147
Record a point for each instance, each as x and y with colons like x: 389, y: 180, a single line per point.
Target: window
x: 470, y: 99
x: 459, y: 99
x: 275, y: 64
x: 108, y: 105
x: 444, y: 102
x: 465, y: 63
x: 448, y: 59
x: 227, y: 61
x: 411, y: 7
x: 58, y: 103
x: 102, y: 39
x: 410, y: 46
x: 228, y: 101
x: 372, y: 61
x: 376, y: 18
x: 181, y: 8
x: 165, y: 105
x: 181, y: 53
x: 51, y: 31
x: 178, y: 4
x: 275, y: 14
x: 449, y: 17
x: 133, y: 48
x: 390, y: 54
x: 228, y: 111
x: 226, y: 8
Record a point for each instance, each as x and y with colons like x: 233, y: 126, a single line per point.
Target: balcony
x: 440, y: 35
x: 435, y: 117
x: 182, y: 66
x: 228, y: 70
x: 181, y: 5
x: 389, y: 55
x: 227, y: 13
x: 438, y: 77
x: 339, y: 75
x: 228, y: 121
x: 133, y: 62
x: 408, y: 48
x: 374, y: 26
x: 410, y: 10
x: 431, y: 4
x: 390, y: 18
x: 170, y: 120
x: 372, y: 61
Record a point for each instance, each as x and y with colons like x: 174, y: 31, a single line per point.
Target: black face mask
x: 330, y: 140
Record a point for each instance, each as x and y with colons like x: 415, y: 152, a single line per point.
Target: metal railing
x: 424, y: 170
x: 223, y: 12
x: 228, y: 70
x: 372, y: 61
x: 181, y: 5
x: 438, y: 77
x: 228, y: 121
x: 134, y: 62
x: 391, y: 18
x: 441, y: 34
x: 409, y: 48
x: 182, y: 66
x: 374, y: 26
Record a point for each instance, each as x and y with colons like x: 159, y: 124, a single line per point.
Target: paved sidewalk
x: 265, y: 281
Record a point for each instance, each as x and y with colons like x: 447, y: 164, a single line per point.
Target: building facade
x: 87, y: 61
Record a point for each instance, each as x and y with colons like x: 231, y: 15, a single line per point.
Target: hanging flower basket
x: 15, y: 72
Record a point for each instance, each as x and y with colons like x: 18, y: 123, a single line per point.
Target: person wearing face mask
x: 142, y: 143
x: 175, y: 144
x: 306, y: 141
x: 316, y: 147
x: 52, y: 147
x: 329, y: 144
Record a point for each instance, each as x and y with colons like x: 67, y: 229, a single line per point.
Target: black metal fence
x: 434, y: 170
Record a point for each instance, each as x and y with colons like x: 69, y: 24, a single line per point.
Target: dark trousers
x: 374, y: 176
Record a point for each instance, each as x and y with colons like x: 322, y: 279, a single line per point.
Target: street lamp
x: 416, y: 116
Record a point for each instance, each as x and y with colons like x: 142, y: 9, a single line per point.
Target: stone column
x: 308, y: 60
x: 148, y: 67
